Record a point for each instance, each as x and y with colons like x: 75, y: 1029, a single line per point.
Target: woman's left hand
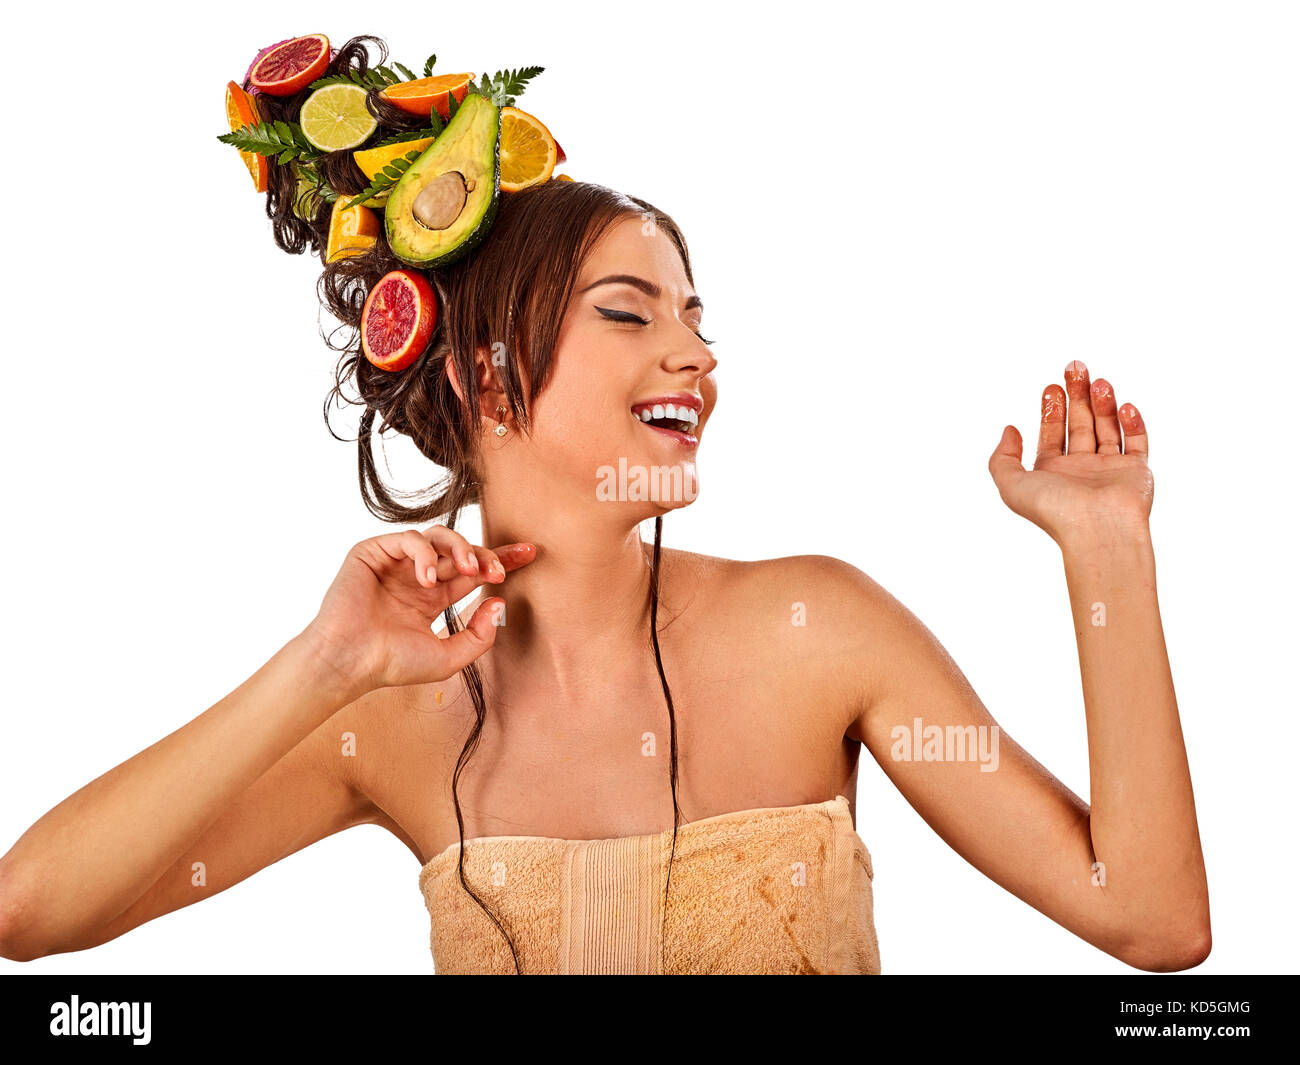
x: 1094, y: 482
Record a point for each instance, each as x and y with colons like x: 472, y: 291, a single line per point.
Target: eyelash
x: 628, y: 316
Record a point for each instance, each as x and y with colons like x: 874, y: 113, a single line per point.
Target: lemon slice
x: 334, y: 117
x: 528, y: 151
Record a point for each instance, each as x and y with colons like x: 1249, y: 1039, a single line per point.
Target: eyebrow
x: 648, y: 287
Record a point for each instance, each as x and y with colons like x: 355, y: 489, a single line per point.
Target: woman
x: 522, y: 757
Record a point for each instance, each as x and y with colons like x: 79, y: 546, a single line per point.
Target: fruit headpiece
x: 436, y: 184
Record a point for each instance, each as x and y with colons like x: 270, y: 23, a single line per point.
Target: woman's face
x: 630, y: 341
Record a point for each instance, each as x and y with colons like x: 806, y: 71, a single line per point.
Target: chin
x: 653, y: 480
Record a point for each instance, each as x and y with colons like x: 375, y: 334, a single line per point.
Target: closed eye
x: 627, y: 316
x: 621, y: 316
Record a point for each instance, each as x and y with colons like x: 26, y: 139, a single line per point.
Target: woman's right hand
x: 374, y: 622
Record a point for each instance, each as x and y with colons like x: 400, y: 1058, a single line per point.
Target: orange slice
x: 528, y: 152
x: 420, y: 96
x: 373, y: 160
x: 241, y: 110
x: 351, y: 231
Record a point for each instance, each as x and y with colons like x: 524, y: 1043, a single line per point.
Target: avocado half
x: 444, y: 204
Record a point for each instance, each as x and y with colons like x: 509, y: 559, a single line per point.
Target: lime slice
x: 334, y: 117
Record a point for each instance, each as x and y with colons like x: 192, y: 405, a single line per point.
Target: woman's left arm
x: 1127, y: 873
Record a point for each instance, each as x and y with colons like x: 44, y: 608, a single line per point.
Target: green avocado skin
x: 470, y: 143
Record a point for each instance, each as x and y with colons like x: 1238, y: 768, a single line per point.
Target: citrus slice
x: 334, y: 117
x: 420, y: 96
x: 241, y: 110
x: 398, y: 319
x: 373, y: 160
x: 529, y: 154
x: 260, y: 52
x: 561, y: 177
x: 352, y: 230
x: 291, y: 65
x: 527, y: 150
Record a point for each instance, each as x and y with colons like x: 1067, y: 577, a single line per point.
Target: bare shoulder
x: 816, y: 620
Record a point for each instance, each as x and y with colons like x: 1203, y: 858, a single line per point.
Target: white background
x: 905, y: 220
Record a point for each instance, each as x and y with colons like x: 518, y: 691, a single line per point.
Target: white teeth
x: 679, y: 412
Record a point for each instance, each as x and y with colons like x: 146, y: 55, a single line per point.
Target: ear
x: 491, y: 394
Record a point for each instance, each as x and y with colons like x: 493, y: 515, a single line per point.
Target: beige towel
x: 783, y: 889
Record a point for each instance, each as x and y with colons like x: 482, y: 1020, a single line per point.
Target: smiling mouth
x: 677, y: 418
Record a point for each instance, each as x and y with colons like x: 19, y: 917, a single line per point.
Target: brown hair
x: 512, y: 290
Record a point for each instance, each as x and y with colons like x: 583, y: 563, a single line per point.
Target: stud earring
x: 501, y: 429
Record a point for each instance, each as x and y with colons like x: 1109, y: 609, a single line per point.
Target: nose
x: 692, y: 354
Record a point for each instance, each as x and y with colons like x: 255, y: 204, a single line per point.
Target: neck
x: 581, y: 605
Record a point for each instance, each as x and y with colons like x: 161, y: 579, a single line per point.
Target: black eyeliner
x: 621, y: 316
x: 627, y: 316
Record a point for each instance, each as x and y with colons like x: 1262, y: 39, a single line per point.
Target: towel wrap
x: 782, y: 889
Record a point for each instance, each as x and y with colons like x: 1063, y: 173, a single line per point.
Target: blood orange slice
x: 398, y: 319
x: 291, y: 65
x: 260, y: 52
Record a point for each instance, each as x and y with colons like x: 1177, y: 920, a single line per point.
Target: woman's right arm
x: 260, y: 774
x: 245, y: 783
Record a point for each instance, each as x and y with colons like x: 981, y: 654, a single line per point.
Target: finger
x: 1051, y: 429
x: 490, y: 567
x: 516, y: 556
x: 439, y: 554
x: 1078, y: 419
x: 1104, y: 417
x: 461, y: 648
x: 508, y: 557
x: 1135, y: 431
x: 495, y: 564
x: 451, y: 543
x: 409, y: 543
x: 1004, y: 463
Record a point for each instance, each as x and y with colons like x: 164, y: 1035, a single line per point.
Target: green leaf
x: 435, y: 121
x: 452, y: 106
x: 406, y: 71
x: 409, y: 135
x: 386, y: 178
x: 428, y: 66
x: 376, y: 78
x: 503, y: 86
x: 515, y: 81
x: 271, y: 139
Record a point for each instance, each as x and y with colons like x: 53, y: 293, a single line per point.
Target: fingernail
x: 1076, y: 368
x: 431, y: 575
x: 473, y: 562
x: 497, y: 568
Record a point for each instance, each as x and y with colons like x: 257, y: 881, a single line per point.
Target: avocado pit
x: 440, y: 201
